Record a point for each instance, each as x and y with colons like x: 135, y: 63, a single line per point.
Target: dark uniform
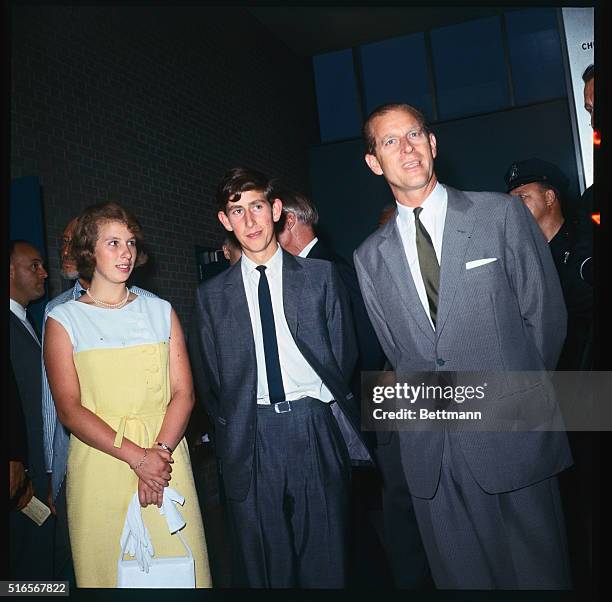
x: 578, y: 296
x: 582, y: 260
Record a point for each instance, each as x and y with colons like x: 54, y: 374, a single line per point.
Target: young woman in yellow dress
x: 120, y: 377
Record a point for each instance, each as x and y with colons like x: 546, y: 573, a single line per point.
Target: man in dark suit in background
x: 298, y: 237
x: 31, y: 546
x: 272, y: 349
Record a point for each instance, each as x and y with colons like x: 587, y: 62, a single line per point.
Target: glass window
x: 395, y: 70
x: 535, y: 55
x: 337, y: 100
x: 470, y: 70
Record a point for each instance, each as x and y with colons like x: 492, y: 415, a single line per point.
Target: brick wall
x: 150, y: 106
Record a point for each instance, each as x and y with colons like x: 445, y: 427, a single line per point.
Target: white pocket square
x: 478, y: 262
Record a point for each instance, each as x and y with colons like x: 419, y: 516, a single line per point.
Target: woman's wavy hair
x: 87, y: 231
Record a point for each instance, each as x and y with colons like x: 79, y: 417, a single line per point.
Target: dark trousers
x: 31, y: 546
x: 369, y: 565
x: 402, y: 537
x: 291, y: 530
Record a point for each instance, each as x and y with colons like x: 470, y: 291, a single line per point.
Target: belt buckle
x: 282, y: 407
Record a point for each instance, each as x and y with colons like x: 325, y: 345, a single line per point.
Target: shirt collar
x: 433, y: 205
x: 18, y: 309
x: 78, y: 290
x: 273, y: 265
x: 304, y: 252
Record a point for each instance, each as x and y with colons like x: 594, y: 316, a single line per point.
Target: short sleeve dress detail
x: 121, y: 358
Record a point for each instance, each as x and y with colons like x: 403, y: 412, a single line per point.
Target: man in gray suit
x: 464, y: 281
x: 272, y: 349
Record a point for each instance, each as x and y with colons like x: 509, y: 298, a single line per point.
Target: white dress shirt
x: 304, y: 252
x: 20, y: 311
x: 299, y: 379
x: 432, y: 217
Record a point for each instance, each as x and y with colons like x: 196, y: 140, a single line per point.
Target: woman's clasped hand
x: 154, y: 473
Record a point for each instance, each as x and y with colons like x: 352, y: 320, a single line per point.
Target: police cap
x: 535, y: 170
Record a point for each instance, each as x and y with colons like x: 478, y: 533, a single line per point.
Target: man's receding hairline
x: 24, y: 243
x: 401, y: 109
x: 391, y: 110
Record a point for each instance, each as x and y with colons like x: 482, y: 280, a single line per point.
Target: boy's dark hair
x: 589, y: 73
x: 238, y: 180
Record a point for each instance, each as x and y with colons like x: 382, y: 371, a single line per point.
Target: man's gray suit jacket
x: 505, y: 315
x: 222, y: 353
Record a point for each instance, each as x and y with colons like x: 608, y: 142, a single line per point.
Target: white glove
x: 135, y: 538
x: 173, y: 517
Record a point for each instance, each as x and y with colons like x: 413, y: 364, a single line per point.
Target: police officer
x: 542, y: 186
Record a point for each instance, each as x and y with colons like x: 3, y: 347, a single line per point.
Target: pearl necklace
x: 110, y: 305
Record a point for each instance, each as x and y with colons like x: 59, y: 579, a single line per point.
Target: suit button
x: 440, y: 362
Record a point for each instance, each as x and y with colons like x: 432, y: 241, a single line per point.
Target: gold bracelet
x: 165, y: 446
x: 142, y: 461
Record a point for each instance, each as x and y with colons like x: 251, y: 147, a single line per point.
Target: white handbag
x: 155, y: 572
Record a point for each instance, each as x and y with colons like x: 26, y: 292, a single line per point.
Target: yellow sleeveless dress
x: 121, y: 358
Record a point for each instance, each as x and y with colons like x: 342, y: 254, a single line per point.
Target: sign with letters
x: 578, y: 28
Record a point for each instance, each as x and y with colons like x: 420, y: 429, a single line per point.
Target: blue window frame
x: 337, y: 98
x: 395, y: 70
x: 470, y: 69
x: 535, y: 55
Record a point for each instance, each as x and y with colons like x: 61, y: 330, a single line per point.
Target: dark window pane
x: 339, y: 115
x: 470, y: 71
x: 535, y: 55
x: 395, y: 70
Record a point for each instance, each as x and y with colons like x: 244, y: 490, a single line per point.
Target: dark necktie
x: 268, y: 329
x: 428, y: 262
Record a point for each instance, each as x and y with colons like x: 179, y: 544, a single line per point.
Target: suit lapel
x: 458, y: 228
x: 18, y: 324
x: 392, y: 251
x: 241, y: 328
x: 293, y: 284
